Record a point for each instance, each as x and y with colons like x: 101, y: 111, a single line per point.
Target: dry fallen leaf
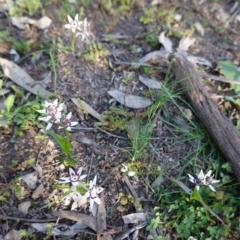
x: 4, y: 91
x: 21, y: 22
x: 41, y: 23
x: 38, y: 192
x: 166, y: 42
x: 131, y: 101
x: 151, y: 83
x: 39, y: 169
x: 57, y: 229
x: 20, y: 77
x: 134, y: 218
x: 199, y: 60
x: 185, y: 43
x: 30, y: 179
x: 12, y: 235
x: 199, y: 28
x: 24, y: 206
x: 87, y: 109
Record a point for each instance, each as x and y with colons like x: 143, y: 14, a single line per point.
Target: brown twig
x: 5, y: 217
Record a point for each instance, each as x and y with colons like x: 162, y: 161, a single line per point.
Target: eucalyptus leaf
x: 230, y: 71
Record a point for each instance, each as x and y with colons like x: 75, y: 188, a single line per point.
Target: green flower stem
x: 73, y: 42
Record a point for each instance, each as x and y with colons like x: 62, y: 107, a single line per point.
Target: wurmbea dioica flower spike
x: 83, y: 30
x: 202, y: 179
x: 73, y: 23
x: 66, y: 123
x: 53, y: 112
x: 74, y: 177
x: 93, y: 193
x: 209, y: 181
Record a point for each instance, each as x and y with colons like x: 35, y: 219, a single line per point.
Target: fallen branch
x: 224, y: 133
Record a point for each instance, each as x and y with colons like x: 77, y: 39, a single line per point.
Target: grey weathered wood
x: 224, y: 133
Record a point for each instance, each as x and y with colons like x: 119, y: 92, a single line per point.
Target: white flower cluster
x: 78, y: 199
x: 202, y: 179
x: 53, y: 114
x: 80, y: 28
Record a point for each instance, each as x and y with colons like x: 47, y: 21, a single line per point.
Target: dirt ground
x: 101, y: 153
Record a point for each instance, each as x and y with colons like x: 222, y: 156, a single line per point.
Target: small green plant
x: 125, y: 7
x: 95, y: 52
x: 25, y: 6
x: 149, y: 15
x: 16, y: 187
x: 153, y: 13
x: 145, y: 69
x: 27, y: 235
x: 21, y: 117
x: 151, y: 37
x: 107, y: 6
x: 116, y: 118
x: 4, y: 195
x: 22, y: 47
x: 128, y: 199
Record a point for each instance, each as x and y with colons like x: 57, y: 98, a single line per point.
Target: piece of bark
x: 223, y: 132
x: 101, y: 221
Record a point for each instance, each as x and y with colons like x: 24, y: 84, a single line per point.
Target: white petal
x: 83, y: 176
x: 60, y: 107
x: 42, y: 111
x: 201, y: 175
x: 69, y: 116
x: 74, y: 205
x: 215, y: 181
x: 74, y: 124
x: 94, y: 180
x: 71, y: 172
x: 87, y: 194
x: 76, y: 18
x: 97, y: 200
x: 65, y: 180
x: 49, y: 126
x: 46, y: 104
x: 208, y: 173
x: 198, y: 187
x: 45, y: 119
x: 68, y: 25
x: 91, y: 204
x: 191, y: 178
x: 212, y: 188
x: 131, y: 173
x: 69, y: 19
x: 79, y: 171
x: 55, y: 102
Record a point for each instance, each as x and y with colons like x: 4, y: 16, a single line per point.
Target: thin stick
x: 219, y: 78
